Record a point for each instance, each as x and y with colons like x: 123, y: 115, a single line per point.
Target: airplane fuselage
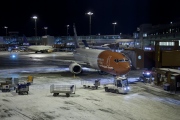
x: 41, y: 48
x: 104, y: 60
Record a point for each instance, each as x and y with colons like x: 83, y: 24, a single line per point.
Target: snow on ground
x: 141, y: 103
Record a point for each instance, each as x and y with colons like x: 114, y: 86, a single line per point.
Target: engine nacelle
x: 75, y: 68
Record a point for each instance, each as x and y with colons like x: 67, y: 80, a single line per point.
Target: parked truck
x: 67, y: 89
x: 120, y: 85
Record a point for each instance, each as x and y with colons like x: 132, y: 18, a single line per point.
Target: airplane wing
x: 63, y: 61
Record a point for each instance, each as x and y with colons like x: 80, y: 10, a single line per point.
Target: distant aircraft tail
x: 75, y: 37
x: 25, y: 42
x: 85, y: 44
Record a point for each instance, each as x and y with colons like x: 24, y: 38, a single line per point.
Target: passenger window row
x: 121, y: 60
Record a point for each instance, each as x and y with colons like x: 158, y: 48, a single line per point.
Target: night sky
x: 56, y: 14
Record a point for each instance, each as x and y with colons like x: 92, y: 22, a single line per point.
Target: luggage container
x: 5, y: 88
x: 67, y: 89
x: 166, y: 87
x: 16, y: 81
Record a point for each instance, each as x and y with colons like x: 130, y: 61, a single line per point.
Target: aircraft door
x: 108, y: 63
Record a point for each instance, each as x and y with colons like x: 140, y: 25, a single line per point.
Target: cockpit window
x: 122, y: 60
x: 116, y: 60
x: 126, y: 59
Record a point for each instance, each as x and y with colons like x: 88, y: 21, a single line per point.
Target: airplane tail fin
x: 25, y: 42
x: 75, y: 37
x: 85, y: 44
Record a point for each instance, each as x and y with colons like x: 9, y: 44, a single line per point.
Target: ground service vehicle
x: 93, y: 83
x: 29, y: 80
x: 67, y: 89
x: 120, y: 85
x: 5, y: 88
x: 22, y: 89
x: 147, y: 73
x: 146, y: 76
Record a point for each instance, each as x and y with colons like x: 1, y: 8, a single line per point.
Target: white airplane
x: 36, y: 48
x: 102, y: 47
x: 105, y: 61
x: 41, y: 48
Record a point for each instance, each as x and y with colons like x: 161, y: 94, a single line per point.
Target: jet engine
x: 75, y: 68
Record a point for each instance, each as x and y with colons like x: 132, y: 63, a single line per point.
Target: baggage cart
x: 5, y: 88
x: 67, y: 89
x: 90, y: 83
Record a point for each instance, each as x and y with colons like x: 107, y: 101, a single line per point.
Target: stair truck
x: 67, y: 89
x: 120, y: 85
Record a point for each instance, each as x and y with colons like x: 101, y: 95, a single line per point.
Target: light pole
x: 67, y: 30
x: 35, y: 18
x: 89, y: 13
x: 114, y: 27
x: 45, y: 28
x: 6, y: 29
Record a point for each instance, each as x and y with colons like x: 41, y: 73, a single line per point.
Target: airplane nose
x: 126, y: 68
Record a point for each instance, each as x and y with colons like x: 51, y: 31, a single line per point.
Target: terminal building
x: 166, y: 34
x: 144, y: 38
x: 145, y: 44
